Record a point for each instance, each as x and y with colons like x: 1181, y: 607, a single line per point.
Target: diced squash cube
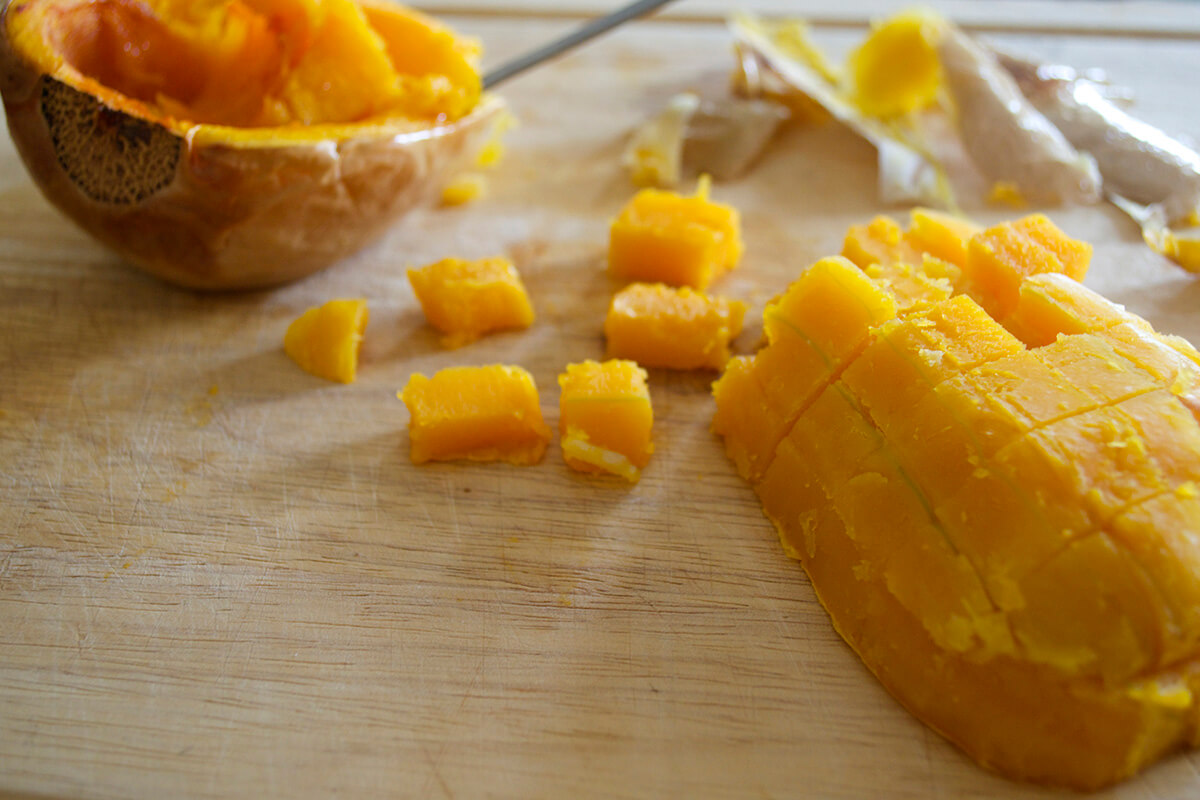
x: 1150, y: 533
x: 814, y: 330
x: 1090, y: 610
x: 941, y: 235
x: 999, y: 258
x: 1052, y: 303
x: 663, y: 237
x: 743, y: 419
x: 880, y: 241
x: 605, y: 417
x: 325, y: 340
x: 488, y: 413
x: 896, y: 69
x: 907, y: 359
x: 916, y: 286
x: 467, y: 299
x: 1090, y: 364
x: 1167, y: 358
x: 832, y: 305
x: 658, y: 326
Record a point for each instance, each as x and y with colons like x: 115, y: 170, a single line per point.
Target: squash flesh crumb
x: 606, y: 418
x: 261, y: 63
x: 488, y: 413
x: 325, y: 340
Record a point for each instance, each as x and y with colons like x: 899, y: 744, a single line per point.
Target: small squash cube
x: 325, y: 340
x: 941, y: 235
x: 606, y: 417
x: 881, y: 241
x: 663, y: 237
x: 1001, y: 257
x: 475, y: 413
x: 467, y: 299
x: 658, y: 326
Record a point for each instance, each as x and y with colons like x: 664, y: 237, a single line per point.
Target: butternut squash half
x: 237, y: 143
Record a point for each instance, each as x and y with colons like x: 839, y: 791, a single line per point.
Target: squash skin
x: 243, y: 214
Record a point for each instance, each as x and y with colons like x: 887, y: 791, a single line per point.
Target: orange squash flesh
x: 799, y: 362
x: 658, y: 326
x: 238, y: 144
x: 486, y: 413
x: 606, y: 418
x: 325, y: 340
x: 999, y: 510
x: 467, y: 299
x: 663, y: 237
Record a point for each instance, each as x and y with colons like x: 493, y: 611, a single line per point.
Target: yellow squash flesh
x: 999, y: 511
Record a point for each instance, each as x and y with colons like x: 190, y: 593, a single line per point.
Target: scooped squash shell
x: 238, y: 143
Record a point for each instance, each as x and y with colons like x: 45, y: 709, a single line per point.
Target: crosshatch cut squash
x: 238, y: 144
x: 993, y: 488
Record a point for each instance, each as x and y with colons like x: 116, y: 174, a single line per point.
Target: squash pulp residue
x: 256, y: 63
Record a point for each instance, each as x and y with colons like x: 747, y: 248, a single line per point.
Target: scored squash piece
x: 842, y: 304
x: 1007, y: 532
x: 325, y: 340
x: 606, y: 418
x: 243, y: 143
x: 658, y: 326
x: 1001, y: 256
x: 467, y: 299
x: 919, y: 266
x: 488, y: 413
x: 664, y: 237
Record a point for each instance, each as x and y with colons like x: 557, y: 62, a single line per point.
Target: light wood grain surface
x: 222, y: 577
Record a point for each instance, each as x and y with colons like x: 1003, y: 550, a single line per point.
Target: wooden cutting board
x: 220, y: 576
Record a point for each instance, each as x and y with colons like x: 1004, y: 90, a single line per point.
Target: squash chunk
x: 749, y: 428
x: 999, y: 258
x: 1092, y: 365
x: 919, y: 267
x: 941, y: 235
x: 906, y: 360
x: 916, y: 287
x: 1053, y: 303
x: 658, y: 326
x: 1149, y: 532
x: 325, y: 340
x: 1091, y: 610
x: 794, y: 499
x: 813, y: 330
x: 663, y: 237
x: 605, y: 418
x: 475, y: 413
x: 883, y: 511
x: 880, y: 241
x: 467, y: 299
